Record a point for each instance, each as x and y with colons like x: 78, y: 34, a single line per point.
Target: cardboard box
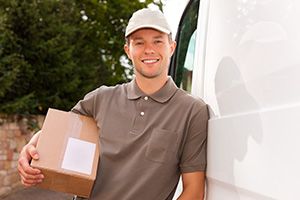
x: 69, y: 152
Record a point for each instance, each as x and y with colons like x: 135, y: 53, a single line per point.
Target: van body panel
x: 255, y: 154
x: 251, y: 78
x: 247, y: 69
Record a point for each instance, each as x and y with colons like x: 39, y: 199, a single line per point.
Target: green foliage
x: 52, y: 52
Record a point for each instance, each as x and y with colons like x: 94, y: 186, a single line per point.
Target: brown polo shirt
x: 146, y: 141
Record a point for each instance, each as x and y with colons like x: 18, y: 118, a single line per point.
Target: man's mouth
x: 150, y: 61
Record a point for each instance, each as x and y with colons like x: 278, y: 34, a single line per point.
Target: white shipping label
x: 79, y: 156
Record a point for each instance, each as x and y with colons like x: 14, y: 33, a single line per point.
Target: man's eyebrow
x: 141, y: 38
x: 158, y: 37
x: 137, y: 38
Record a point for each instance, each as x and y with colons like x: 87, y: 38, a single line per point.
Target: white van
x: 243, y: 58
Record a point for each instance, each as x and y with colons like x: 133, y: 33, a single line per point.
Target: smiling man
x: 151, y: 131
x: 150, y: 51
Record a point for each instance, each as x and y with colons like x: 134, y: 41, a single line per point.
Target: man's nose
x: 149, y: 49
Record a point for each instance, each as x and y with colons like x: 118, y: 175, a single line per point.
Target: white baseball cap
x: 147, y: 18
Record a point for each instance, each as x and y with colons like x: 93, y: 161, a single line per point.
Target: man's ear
x: 126, y: 49
x: 173, y: 47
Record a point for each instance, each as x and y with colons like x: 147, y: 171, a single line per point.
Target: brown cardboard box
x: 69, y: 152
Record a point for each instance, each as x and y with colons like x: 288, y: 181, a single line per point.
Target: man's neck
x: 150, y: 86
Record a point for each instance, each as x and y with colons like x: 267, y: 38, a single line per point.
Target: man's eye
x: 157, y: 41
x: 139, y: 43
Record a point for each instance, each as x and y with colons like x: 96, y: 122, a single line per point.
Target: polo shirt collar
x: 162, y: 95
x: 133, y: 91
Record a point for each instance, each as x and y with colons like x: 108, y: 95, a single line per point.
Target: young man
x: 151, y: 131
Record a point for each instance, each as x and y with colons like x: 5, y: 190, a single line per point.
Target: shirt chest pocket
x: 162, y: 146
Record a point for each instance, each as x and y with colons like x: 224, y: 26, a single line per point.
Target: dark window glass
x: 181, y: 68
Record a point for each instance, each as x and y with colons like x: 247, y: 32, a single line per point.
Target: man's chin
x: 148, y: 75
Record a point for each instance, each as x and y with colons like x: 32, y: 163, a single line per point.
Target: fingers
x: 28, y: 181
x: 29, y: 175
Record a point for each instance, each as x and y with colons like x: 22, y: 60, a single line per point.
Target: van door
x: 249, y: 65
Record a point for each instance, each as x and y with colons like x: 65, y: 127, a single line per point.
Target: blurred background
x: 52, y: 52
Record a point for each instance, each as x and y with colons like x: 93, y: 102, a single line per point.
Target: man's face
x: 150, y: 52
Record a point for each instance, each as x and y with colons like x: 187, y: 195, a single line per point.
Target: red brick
x: 13, y: 136
x: 3, y: 173
x: 13, y: 125
x: 2, y: 133
x: 3, y: 157
x: 1, y: 180
x: 14, y: 164
x: 12, y: 171
x: 2, y: 151
x: 15, y: 156
x: 10, y: 179
x: 4, y: 144
x: 1, y: 165
x: 18, y: 132
x: 7, y: 165
x: 20, y: 143
x: 12, y: 144
x: 9, y: 155
x: 10, y: 134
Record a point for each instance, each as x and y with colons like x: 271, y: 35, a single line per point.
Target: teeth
x: 150, y: 61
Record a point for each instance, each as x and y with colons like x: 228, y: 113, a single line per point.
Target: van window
x: 182, y: 63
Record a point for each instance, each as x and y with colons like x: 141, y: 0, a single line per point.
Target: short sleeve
x: 86, y: 106
x: 193, y: 156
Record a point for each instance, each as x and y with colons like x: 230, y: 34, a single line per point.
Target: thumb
x: 33, y: 152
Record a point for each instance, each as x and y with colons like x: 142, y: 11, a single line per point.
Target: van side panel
x: 252, y: 84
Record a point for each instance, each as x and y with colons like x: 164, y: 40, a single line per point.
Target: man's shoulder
x: 108, y: 90
x: 189, y: 99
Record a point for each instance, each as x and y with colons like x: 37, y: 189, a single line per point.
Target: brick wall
x: 15, y: 132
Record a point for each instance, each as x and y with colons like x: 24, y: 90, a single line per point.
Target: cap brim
x: 161, y: 29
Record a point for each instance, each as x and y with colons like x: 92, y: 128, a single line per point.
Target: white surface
x: 251, y: 82
x: 252, y: 85
x: 250, y: 50
x: 261, y: 155
x: 199, y: 61
x: 173, y: 10
x: 79, y: 156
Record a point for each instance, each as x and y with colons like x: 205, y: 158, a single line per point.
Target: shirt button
x: 142, y: 113
x: 146, y: 98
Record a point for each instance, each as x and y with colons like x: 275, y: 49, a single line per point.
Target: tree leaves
x: 52, y: 52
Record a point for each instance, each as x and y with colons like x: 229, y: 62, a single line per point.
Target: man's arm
x: 29, y: 176
x: 193, y: 186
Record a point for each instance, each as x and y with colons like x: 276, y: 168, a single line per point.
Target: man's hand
x: 29, y: 176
